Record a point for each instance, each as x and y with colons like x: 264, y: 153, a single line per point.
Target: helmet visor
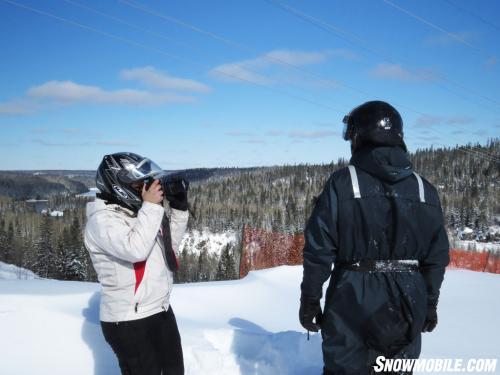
x: 138, y: 171
x: 346, y: 133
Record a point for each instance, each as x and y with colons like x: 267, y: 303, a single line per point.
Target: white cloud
x: 116, y: 143
x: 44, y: 142
x: 17, y: 107
x: 491, y: 62
x: 399, y: 73
x: 250, y: 70
x: 239, y: 133
x: 239, y: 72
x: 151, y: 77
x: 460, y: 120
x: 292, y: 57
x: 66, y: 92
x: 431, y: 120
x: 443, y: 40
x: 428, y: 120
x: 312, y: 134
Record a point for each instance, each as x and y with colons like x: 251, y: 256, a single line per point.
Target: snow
x: 467, y: 230
x: 56, y: 213
x: 213, y: 242
x: 247, y: 326
x: 11, y: 272
x: 476, y: 245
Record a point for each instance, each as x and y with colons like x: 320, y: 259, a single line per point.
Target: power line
x: 234, y: 44
x: 473, y: 15
x: 432, y: 25
x: 126, y: 23
x: 140, y: 45
x: 240, y: 46
x: 167, y: 54
x: 351, y: 38
x: 135, y: 27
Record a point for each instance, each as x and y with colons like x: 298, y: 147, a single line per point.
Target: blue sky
x: 238, y: 83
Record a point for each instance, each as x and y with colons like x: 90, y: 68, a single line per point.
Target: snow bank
x: 248, y: 326
x: 11, y: 272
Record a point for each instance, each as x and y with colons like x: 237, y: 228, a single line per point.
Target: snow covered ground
x: 11, y: 272
x: 248, y: 326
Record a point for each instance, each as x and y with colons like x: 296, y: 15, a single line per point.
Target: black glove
x: 310, y: 310
x: 431, y: 319
x: 176, y: 194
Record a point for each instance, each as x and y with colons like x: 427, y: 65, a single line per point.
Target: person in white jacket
x: 132, y: 243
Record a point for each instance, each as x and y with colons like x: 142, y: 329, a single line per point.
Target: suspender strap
x: 354, y: 180
x: 357, y: 193
x: 421, y: 191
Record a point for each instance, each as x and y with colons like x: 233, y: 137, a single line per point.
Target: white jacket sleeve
x: 133, y: 244
x: 178, y: 225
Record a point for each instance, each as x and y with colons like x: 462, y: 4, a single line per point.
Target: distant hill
x: 44, y: 184
x: 25, y: 185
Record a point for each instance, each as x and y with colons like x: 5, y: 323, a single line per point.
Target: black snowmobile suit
x: 375, y: 210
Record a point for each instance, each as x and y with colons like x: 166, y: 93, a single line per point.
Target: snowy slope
x: 11, y: 272
x: 247, y: 326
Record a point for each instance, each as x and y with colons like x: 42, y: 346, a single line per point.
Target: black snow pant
x: 148, y: 346
x: 371, y: 314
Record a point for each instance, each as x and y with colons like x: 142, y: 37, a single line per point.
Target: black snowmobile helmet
x: 118, y: 176
x: 375, y: 122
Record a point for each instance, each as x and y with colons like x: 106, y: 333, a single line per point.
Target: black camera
x: 174, y: 185
x: 170, y: 184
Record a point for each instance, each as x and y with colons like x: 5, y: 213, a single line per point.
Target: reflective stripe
x: 354, y: 180
x: 421, y: 192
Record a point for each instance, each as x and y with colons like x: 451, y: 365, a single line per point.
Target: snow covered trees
x: 226, y: 269
x: 274, y: 199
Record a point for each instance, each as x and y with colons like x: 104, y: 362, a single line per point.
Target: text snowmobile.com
x: 435, y: 365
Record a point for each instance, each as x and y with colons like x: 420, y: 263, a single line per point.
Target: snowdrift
x: 248, y: 326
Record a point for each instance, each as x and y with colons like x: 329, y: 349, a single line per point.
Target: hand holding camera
x: 153, y: 193
x: 175, y: 191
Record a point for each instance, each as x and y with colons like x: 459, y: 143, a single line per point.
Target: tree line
x: 278, y: 199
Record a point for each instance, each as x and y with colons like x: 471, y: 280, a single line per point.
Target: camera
x: 170, y: 184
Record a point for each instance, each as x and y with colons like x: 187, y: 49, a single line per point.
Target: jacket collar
x: 385, y: 162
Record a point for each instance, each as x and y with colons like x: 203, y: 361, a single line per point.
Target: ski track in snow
x: 249, y: 326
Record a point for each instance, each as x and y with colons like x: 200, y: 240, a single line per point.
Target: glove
x: 310, y: 310
x: 431, y: 319
x: 179, y: 198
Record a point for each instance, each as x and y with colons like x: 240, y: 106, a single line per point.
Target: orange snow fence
x: 262, y: 249
x: 485, y: 261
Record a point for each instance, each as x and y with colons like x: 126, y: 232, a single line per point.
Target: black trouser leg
x: 149, y: 346
x: 133, y: 347
x: 169, y: 345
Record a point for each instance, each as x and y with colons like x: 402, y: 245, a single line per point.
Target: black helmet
x: 374, y: 122
x: 120, y: 175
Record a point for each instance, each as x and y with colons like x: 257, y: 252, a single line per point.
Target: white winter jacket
x: 116, y: 240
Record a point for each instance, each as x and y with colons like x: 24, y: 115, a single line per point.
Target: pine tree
x: 44, y: 263
x: 75, y: 260
x: 202, y: 273
x: 8, y: 246
x: 226, y: 269
x: 3, y: 240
